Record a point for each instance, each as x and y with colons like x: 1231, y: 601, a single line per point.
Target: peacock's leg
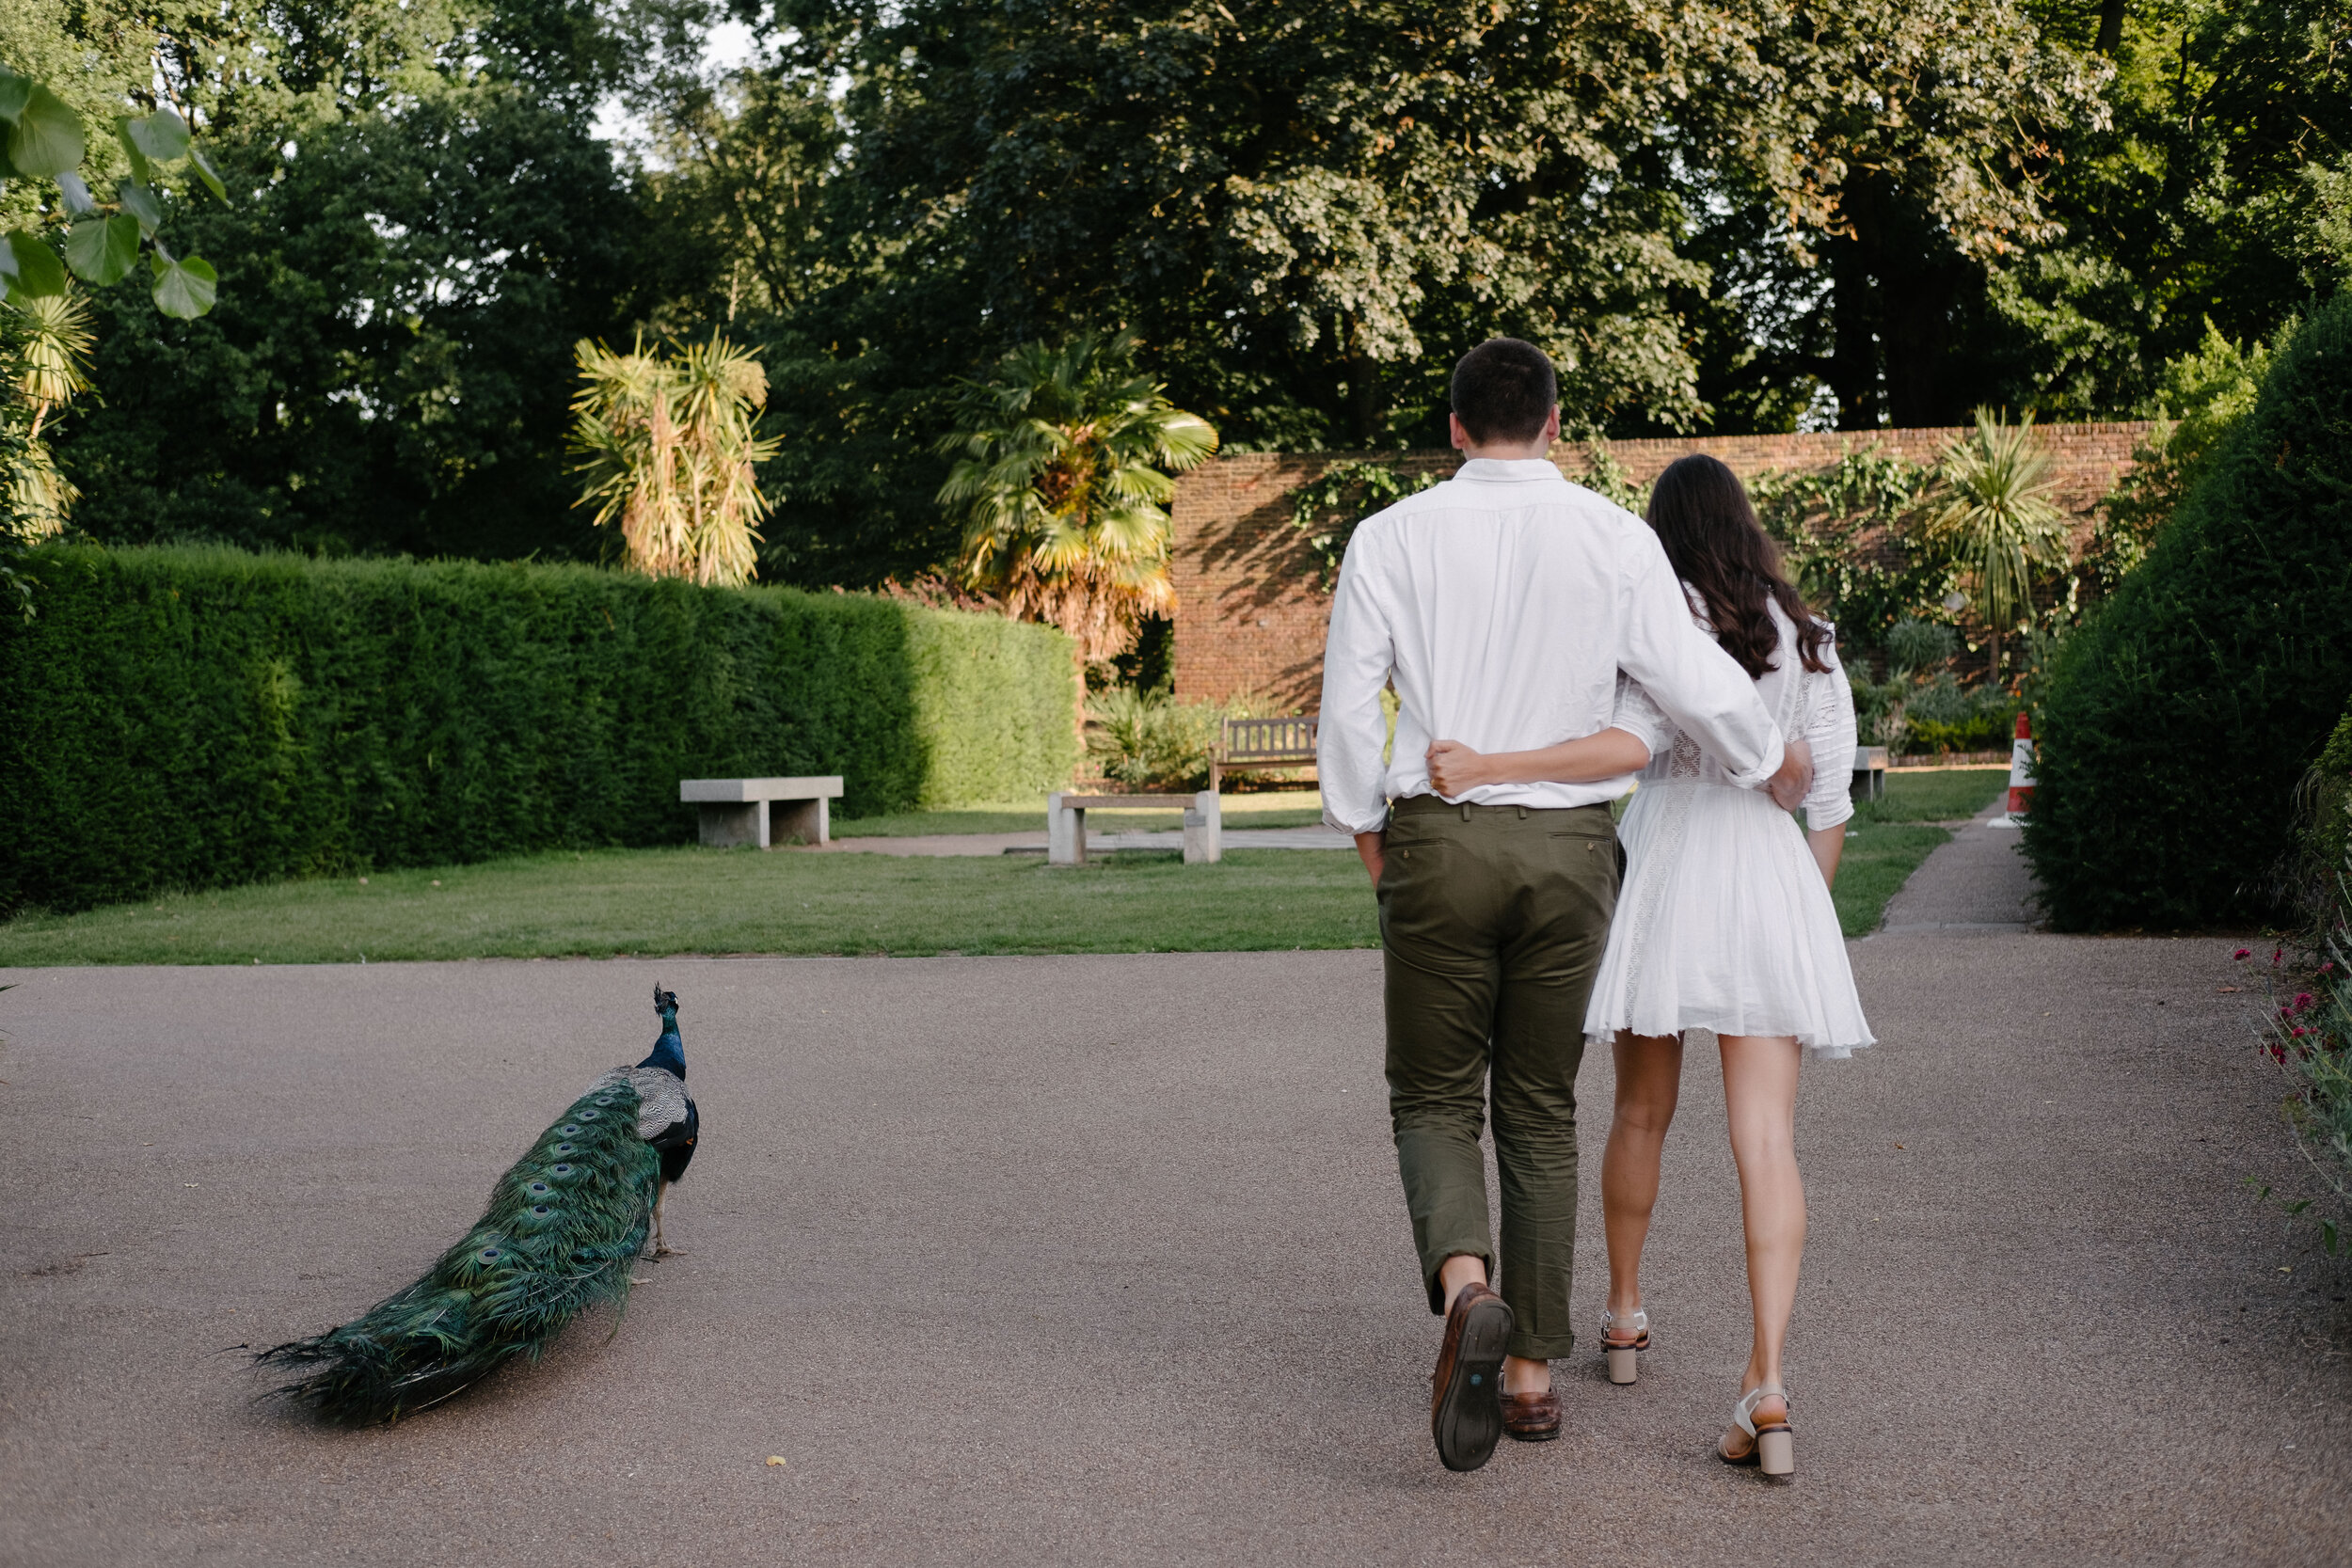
x: 661, y: 1247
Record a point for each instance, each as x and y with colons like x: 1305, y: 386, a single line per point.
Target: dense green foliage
x: 198, y: 717
x: 2176, y: 725
x: 1718, y: 215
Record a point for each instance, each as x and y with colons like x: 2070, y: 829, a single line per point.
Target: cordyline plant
x: 1993, y: 514
x: 1059, y: 482
x: 671, y: 447
x: 48, y: 346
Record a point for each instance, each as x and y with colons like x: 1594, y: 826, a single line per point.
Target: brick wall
x: 1250, y: 613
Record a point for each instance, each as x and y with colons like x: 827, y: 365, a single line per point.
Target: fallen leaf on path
x: 2224, y: 990
x: 777, y: 1461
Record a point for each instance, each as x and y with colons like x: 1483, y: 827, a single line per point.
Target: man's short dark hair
x: 1503, y: 390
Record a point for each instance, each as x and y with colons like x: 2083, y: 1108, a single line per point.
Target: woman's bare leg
x: 1760, y: 1096
x: 1650, y: 1079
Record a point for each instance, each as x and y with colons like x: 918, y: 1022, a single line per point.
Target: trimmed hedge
x: 2179, y: 719
x: 182, y: 717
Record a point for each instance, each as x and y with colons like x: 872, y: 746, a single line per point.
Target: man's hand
x: 1455, y: 770
x: 1373, y: 848
x: 1789, y: 785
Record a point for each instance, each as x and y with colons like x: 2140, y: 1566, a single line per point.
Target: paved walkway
x: 1102, y: 1259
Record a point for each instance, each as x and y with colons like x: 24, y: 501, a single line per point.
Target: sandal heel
x: 1777, y: 1451
x: 1624, y: 1365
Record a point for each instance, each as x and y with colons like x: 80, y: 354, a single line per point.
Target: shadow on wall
x: 192, y: 717
x: 1252, y: 611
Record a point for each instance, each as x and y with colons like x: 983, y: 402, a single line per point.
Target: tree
x: 426, y: 224
x: 1061, y: 485
x: 47, y: 342
x: 1995, y: 516
x: 672, y: 450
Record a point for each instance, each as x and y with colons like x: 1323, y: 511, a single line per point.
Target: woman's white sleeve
x: 1637, y: 715
x: 1830, y: 731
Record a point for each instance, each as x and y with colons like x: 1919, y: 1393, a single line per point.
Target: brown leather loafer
x: 1465, y: 1402
x: 1532, y: 1418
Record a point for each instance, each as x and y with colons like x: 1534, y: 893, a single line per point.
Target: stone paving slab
x: 1102, y: 1259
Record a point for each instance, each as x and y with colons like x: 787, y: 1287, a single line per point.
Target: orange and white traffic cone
x: 2020, y: 777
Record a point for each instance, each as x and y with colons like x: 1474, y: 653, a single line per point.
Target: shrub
x: 1145, y: 740
x: 203, y: 717
x: 2178, y: 721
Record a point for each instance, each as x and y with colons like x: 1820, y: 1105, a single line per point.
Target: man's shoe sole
x: 1468, y: 1421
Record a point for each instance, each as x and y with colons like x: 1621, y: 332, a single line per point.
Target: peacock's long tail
x: 563, y: 1226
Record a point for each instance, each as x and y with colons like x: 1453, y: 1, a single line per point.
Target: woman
x: 1725, y: 923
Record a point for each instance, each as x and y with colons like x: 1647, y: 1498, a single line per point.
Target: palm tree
x: 47, y: 365
x: 1059, y: 481
x: 671, y: 449
x: 1991, y: 511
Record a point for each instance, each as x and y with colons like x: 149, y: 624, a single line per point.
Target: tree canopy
x: 1719, y: 216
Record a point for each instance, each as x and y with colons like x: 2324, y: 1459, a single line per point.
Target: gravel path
x: 1102, y: 1259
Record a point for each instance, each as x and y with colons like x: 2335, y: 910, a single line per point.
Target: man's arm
x: 1356, y: 658
x: 1701, y: 687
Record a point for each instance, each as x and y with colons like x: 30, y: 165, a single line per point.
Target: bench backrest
x: 1270, y: 739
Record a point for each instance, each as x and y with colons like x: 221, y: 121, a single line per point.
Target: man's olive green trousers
x: 1492, y: 923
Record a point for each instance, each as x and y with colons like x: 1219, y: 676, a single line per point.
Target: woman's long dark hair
x: 1702, y: 514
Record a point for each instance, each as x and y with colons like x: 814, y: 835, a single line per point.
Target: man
x: 1502, y: 605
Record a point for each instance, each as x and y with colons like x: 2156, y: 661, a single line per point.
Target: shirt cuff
x: 1340, y: 824
x: 1774, y: 757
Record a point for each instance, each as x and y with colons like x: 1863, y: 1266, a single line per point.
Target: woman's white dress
x: 1724, y: 922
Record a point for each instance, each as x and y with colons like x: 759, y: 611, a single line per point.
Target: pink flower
x: 2278, y: 1052
x: 2242, y: 953
x: 2302, y: 999
x: 2277, y: 954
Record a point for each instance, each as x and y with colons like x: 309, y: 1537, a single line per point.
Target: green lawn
x: 1888, y: 838
x: 662, y: 901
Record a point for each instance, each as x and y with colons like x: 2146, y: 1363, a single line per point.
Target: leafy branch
x: 103, y: 239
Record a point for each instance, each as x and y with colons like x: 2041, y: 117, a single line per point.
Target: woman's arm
x: 1455, y: 770
x: 1827, y: 844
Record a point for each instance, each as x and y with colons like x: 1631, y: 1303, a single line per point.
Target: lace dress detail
x: 1725, y: 923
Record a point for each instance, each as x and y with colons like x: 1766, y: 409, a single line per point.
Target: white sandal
x: 1775, y: 1449
x: 1624, y: 1359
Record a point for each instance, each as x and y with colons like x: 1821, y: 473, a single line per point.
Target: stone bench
x: 1869, y: 774
x: 1066, y: 823
x: 760, y: 813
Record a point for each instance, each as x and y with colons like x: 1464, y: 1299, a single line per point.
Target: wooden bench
x: 1251, y: 744
x: 760, y: 813
x: 1869, y: 774
x: 1066, y: 823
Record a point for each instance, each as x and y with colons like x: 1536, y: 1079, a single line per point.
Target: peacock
x: 564, y: 1228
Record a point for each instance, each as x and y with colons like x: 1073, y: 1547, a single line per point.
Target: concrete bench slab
x: 762, y: 813
x: 1066, y: 823
x: 1869, y: 774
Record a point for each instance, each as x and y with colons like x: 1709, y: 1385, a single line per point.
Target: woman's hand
x: 1455, y: 770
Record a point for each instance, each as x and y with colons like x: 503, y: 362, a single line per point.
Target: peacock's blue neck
x: 668, y: 1051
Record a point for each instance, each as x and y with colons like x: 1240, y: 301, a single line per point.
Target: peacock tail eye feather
x: 561, y: 1232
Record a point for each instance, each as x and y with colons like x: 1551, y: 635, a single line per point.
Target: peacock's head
x: 668, y: 1051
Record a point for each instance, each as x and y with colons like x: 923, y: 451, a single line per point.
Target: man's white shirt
x: 1502, y: 605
